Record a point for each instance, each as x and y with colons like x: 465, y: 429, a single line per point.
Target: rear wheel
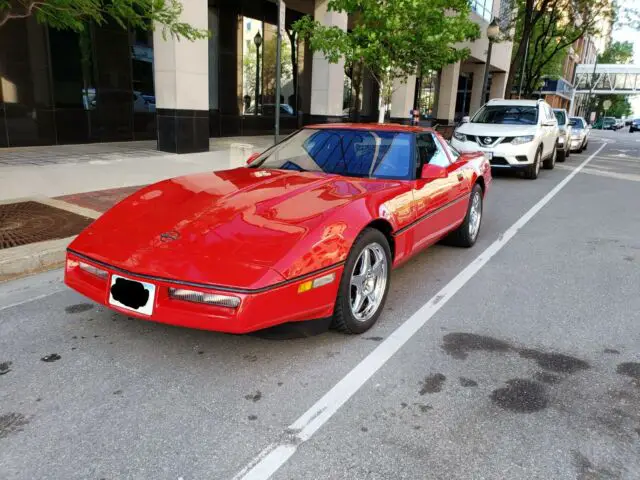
x: 365, y: 283
x: 467, y: 233
x: 534, y: 169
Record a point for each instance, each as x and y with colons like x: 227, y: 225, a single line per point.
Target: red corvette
x: 310, y: 229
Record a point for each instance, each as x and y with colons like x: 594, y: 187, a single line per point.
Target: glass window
x: 352, y: 153
x: 579, y: 122
x: 453, y: 153
x: 507, y: 115
x: 560, y: 116
x: 430, y: 151
x: 484, y: 8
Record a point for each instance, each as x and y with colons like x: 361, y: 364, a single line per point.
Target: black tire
x: 534, y: 169
x: 343, y: 318
x: 567, y: 152
x: 462, y: 236
x: 562, y: 156
x: 550, y: 162
x: 584, y: 147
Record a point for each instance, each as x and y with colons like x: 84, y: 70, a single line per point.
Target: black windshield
x: 507, y: 115
x: 348, y: 152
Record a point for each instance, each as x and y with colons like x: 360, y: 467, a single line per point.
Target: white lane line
x: 267, y: 462
x: 29, y: 300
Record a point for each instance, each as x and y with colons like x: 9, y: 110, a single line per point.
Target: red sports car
x: 310, y: 229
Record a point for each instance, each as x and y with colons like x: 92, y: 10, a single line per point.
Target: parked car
x: 564, y: 136
x: 609, y: 123
x: 309, y: 230
x: 635, y: 126
x: 579, y: 134
x: 619, y: 123
x: 514, y: 134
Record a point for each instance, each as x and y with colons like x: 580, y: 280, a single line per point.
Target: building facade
x: 109, y: 84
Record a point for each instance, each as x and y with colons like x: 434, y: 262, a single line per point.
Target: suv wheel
x: 534, y: 169
x: 550, y: 162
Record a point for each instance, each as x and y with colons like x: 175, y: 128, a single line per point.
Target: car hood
x: 227, y: 228
x: 496, y: 130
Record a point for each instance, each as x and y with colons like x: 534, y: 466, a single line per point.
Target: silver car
x: 564, y: 139
x: 579, y: 134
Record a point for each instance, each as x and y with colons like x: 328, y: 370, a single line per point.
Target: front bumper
x: 257, y: 310
x: 502, y: 155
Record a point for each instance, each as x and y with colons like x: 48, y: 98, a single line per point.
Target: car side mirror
x: 252, y: 158
x: 549, y: 123
x: 433, y: 172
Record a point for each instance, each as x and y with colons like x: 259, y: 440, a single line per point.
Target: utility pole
x: 281, y: 25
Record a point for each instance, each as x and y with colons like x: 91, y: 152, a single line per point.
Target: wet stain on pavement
x: 364, y: 429
x: 630, y: 369
x: 587, y: 471
x: 118, y: 392
x: 467, y: 382
x: 5, y: 367
x: 556, y: 362
x: 612, y: 351
x: 11, y: 423
x: 404, y: 404
x: 374, y: 339
x: 200, y: 352
x: 53, y: 357
x: 253, y: 417
x: 432, y: 383
x: 255, y: 397
x: 78, y: 308
x: 280, y: 384
x: 332, y: 354
x: 546, y: 377
x: 458, y: 345
x: 629, y: 258
x: 250, y: 358
x: 521, y: 396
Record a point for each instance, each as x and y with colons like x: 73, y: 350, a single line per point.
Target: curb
x: 38, y: 257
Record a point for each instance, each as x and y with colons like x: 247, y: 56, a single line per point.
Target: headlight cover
x: 522, y: 140
x: 460, y: 136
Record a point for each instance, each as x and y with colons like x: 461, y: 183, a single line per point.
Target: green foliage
x: 74, y: 14
x: 620, y: 105
x: 394, y: 38
x: 549, y: 27
x: 617, y: 52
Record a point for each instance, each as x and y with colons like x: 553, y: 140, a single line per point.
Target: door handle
x: 460, y: 177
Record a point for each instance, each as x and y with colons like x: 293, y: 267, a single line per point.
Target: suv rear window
x: 560, y: 116
x: 507, y: 115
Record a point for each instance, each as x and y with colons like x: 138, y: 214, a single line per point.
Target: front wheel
x: 534, y: 169
x: 365, y: 283
x: 467, y: 233
x: 550, y: 162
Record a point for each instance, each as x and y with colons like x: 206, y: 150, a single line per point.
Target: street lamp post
x: 493, y: 34
x: 257, y: 40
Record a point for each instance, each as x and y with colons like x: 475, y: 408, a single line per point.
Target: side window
x: 430, y: 151
x: 453, y: 153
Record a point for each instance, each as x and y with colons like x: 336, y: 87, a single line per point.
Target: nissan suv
x: 514, y: 134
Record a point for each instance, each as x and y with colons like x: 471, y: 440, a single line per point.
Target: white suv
x: 514, y: 134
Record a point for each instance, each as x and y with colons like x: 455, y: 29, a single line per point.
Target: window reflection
x: 259, y: 69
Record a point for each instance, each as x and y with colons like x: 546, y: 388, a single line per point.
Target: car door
x: 433, y: 198
x: 550, y: 130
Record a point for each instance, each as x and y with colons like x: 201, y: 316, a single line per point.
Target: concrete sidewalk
x: 79, y: 183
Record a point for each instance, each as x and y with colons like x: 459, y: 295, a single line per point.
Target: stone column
x: 476, y: 89
x: 448, y: 93
x: 181, y: 75
x: 498, y: 84
x: 327, y: 79
x: 402, y: 99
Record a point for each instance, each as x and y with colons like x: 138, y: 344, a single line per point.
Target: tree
x: 394, y: 38
x: 75, y: 14
x: 549, y: 27
x: 617, y: 52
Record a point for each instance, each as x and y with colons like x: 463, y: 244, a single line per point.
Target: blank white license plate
x: 489, y: 155
x: 132, y: 295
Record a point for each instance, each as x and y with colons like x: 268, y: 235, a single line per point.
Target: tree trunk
x: 381, y: 104
x: 516, y: 61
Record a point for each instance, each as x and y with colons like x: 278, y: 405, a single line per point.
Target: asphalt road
x: 524, y: 366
